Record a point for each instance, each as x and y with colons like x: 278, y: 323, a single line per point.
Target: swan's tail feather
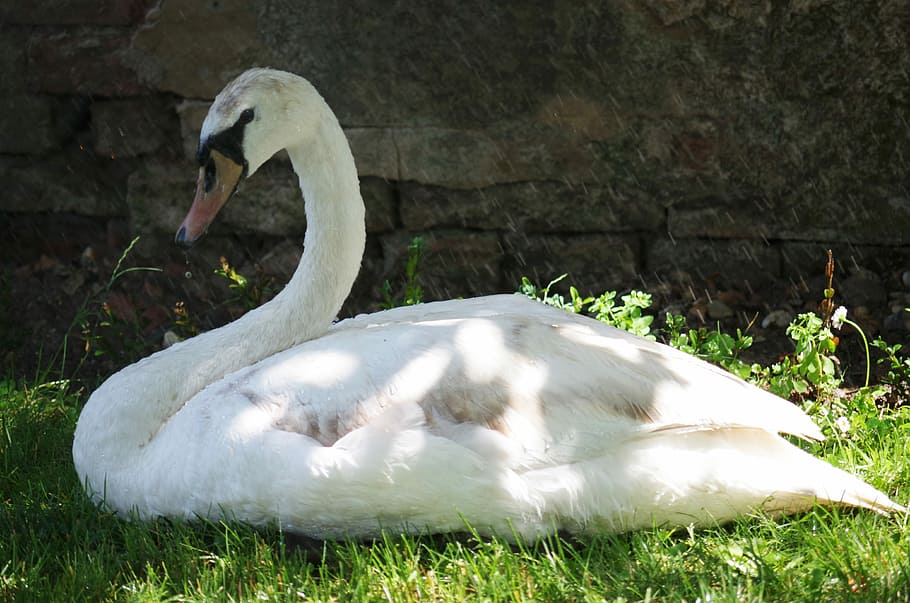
x: 802, y: 478
x: 704, y: 478
x: 826, y: 485
x: 805, y: 480
x: 789, y: 479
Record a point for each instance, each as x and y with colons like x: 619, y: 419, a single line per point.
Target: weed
x: 810, y: 370
x: 186, y: 326
x: 897, y: 372
x: 712, y: 345
x: 412, y: 291
x: 249, y: 294
x: 838, y: 319
x: 628, y: 315
x: 111, y: 333
x: 105, y: 331
x: 575, y: 304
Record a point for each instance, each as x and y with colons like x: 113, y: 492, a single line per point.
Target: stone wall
x: 630, y: 143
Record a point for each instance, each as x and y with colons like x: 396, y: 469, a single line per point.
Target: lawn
x: 56, y: 546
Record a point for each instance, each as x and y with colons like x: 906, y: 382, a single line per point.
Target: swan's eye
x: 247, y: 116
x: 209, y: 182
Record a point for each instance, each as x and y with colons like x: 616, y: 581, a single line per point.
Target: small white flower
x: 837, y: 319
x: 843, y: 423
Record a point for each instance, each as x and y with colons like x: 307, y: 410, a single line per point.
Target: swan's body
x: 500, y: 412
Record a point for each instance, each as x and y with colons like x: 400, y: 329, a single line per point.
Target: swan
x: 497, y: 412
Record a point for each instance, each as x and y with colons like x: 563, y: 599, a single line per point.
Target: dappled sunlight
x: 416, y: 378
x: 317, y: 369
x: 535, y: 378
x: 523, y: 414
x: 589, y: 338
x: 482, y: 349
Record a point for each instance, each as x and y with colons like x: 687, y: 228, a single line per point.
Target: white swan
x: 515, y: 417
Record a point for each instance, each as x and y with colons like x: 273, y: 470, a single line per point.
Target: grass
x: 56, y: 546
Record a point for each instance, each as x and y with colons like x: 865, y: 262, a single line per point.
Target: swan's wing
x: 587, y: 366
x: 553, y: 384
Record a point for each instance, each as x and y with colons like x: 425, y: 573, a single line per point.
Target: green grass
x: 56, y: 546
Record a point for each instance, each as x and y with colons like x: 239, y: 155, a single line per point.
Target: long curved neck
x: 333, y: 248
x: 131, y: 406
x: 335, y: 235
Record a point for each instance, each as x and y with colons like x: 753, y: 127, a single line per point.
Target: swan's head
x: 254, y: 117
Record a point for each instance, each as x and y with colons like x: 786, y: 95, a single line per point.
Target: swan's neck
x: 128, y: 410
x: 335, y: 235
x: 333, y: 247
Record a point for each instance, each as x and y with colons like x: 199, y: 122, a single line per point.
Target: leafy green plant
x: 897, y: 371
x: 184, y: 323
x: 250, y: 294
x: 712, y: 345
x: 576, y: 303
x: 810, y: 370
x: 412, y: 293
x: 113, y: 333
x: 627, y: 315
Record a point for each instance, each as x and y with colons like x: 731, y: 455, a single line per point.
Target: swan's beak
x: 217, y: 181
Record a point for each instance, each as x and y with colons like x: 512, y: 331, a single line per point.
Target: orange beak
x: 217, y: 181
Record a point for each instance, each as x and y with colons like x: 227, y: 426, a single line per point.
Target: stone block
x: 75, y: 12
x: 461, y: 158
x: 191, y: 114
x: 83, y: 60
x: 876, y: 217
x: 806, y: 260
x: 530, y: 207
x: 13, y: 59
x: 741, y: 263
x: 448, y: 64
x: 454, y: 263
x: 593, y: 263
x: 69, y: 181
x: 194, y: 47
x: 158, y: 197
x: 721, y: 218
x: 381, y: 200
x: 374, y: 152
x: 29, y: 124
x: 160, y: 194
x: 126, y: 128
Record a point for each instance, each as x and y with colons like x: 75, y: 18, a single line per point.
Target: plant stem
x: 865, y: 343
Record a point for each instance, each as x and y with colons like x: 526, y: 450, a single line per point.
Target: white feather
x: 499, y: 411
